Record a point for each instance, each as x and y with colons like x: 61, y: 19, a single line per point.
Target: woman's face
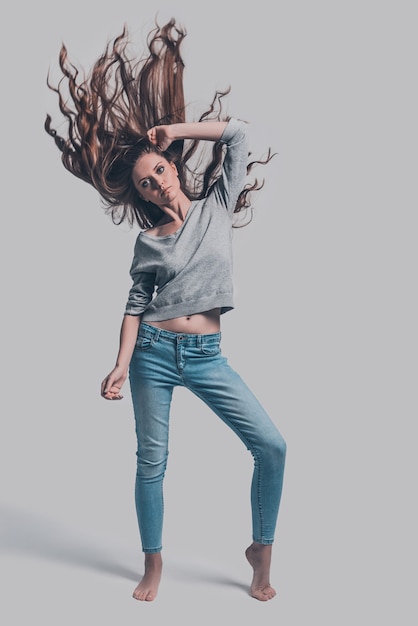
x: 156, y: 179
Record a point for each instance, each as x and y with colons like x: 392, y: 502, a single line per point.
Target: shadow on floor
x: 24, y: 532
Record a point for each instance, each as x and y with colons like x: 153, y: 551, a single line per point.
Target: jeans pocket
x: 143, y: 343
x: 210, y: 348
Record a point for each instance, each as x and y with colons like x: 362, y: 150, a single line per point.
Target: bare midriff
x: 205, y: 323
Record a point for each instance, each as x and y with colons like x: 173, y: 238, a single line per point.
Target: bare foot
x: 259, y: 557
x: 147, y: 589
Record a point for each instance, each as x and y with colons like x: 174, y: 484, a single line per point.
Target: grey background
x: 326, y: 274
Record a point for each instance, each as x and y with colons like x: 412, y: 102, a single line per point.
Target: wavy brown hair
x: 109, y: 111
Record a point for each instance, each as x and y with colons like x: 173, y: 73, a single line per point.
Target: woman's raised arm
x: 164, y: 135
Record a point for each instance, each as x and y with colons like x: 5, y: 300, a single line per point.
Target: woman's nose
x: 158, y: 184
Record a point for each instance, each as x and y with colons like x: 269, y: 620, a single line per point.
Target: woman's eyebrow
x: 156, y: 167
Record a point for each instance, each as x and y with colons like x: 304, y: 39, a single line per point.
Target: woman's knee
x: 274, y: 449
x: 151, y: 469
x: 281, y: 446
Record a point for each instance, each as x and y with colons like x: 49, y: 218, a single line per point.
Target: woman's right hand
x: 112, y: 384
x: 160, y: 136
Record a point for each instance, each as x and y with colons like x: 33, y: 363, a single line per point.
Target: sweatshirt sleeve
x: 234, y: 167
x: 143, y: 283
x: 140, y: 294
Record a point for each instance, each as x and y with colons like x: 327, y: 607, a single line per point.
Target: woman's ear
x: 173, y: 165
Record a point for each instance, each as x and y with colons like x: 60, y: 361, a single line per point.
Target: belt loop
x: 152, y: 332
x: 199, y: 341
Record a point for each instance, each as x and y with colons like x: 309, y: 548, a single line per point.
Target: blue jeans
x: 163, y: 360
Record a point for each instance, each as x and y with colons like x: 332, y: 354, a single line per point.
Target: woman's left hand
x: 160, y: 136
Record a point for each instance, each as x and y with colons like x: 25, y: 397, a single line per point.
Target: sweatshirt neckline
x: 178, y: 231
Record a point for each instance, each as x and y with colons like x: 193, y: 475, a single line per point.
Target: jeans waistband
x: 152, y: 332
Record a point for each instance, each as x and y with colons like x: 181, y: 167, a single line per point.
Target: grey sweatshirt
x: 190, y: 271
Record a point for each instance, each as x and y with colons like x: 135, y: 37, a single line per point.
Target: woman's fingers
x: 152, y: 135
x: 110, y: 390
x: 112, y: 394
x: 157, y: 135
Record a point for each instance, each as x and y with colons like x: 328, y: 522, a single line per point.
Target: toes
x: 144, y: 595
x: 263, y: 594
x: 259, y: 595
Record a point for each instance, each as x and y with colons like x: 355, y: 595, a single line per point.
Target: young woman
x: 128, y: 137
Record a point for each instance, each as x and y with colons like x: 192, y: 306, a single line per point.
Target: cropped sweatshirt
x: 190, y: 271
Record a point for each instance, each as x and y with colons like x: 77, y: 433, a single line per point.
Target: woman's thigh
x: 152, y: 381
x: 213, y: 380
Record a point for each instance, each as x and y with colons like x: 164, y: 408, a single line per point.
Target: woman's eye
x: 160, y: 169
x: 145, y: 184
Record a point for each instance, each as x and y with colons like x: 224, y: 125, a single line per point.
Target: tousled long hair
x: 109, y: 111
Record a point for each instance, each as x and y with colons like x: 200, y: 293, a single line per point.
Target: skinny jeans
x: 163, y: 360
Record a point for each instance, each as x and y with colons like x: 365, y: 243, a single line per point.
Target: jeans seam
x: 260, y: 508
